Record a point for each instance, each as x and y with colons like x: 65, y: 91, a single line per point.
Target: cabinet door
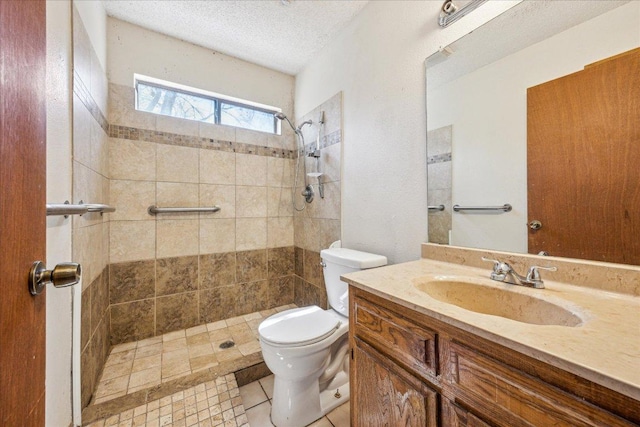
x: 384, y: 394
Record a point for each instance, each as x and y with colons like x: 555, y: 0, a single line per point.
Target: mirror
x: 477, y: 114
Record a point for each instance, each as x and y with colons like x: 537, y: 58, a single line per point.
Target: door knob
x: 64, y: 274
x: 535, y: 225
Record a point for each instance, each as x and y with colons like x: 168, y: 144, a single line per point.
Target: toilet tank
x: 339, y: 261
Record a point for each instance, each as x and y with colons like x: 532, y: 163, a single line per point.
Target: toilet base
x: 302, y: 404
x: 328, y: 399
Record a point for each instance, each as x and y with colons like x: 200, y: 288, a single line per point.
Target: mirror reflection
x: 539, y: 109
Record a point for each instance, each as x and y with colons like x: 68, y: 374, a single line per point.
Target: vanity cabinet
x: 390, y: 393
x: 456, y: 416
x: 411, y: 369
x: 386, y: 380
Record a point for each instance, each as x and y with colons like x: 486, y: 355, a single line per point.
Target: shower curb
x: 95, y: 412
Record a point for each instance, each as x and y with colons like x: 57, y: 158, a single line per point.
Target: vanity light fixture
x: 446, y: 51
x: 450, y: 13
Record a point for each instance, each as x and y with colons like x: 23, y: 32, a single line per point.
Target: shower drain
x: 227, y: 344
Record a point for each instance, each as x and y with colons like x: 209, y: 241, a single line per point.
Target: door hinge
x: 351, y: 354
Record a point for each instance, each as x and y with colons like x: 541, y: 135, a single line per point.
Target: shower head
x: 282, y: 116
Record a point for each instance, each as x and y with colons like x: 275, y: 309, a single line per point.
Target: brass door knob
x: 64, y: 274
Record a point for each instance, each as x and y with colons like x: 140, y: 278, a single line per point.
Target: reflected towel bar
x: 436, y: 208
x: 81, y: 208
x: 154, y: 210
x: 505, y: 208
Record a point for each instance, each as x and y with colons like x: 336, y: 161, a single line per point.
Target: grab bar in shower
x: 81, y: 208
x: 436, y: 208
x: 96, y: 207
x: 154, y: 210
x: 504, y: 208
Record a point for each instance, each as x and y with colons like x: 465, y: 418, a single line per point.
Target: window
x: 169, y: 99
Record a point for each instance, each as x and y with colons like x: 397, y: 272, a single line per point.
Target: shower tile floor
x: 145, y: 364
x: 213, y: 403
x: 140, y: 365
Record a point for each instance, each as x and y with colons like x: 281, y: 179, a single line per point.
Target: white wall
x: 58, y: 340
x: 378, y: 63
x: 94, y: 18
x: 489, y: 127
x: 133, y: 49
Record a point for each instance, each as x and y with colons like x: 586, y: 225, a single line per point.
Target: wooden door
x: 384, y: 394
x: 583, y: 155
x: 22, y: 210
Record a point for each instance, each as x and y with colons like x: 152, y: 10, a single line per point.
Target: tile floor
x: 214, y: 403
x: 139, y: 365
x: 256, y: 399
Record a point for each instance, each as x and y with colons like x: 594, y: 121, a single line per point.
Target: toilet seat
x: 298, y: 327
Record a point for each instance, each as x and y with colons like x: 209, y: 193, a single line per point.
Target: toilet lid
x: 299, y: 326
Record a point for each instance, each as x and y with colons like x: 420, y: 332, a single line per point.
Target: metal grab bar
x: 96, y: 207
x: 67, y: 209
x: 436, y: 208
x: 154, y: 210
x: 505, y: 208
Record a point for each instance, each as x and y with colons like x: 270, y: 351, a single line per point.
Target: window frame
x: 217, y: 99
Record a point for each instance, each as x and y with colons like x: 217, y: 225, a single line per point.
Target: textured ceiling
x: 276, y: 34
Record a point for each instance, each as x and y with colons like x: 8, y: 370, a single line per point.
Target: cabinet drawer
x: 513, y: 398
x: 410, y: 345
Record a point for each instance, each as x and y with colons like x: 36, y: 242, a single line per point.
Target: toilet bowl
x: 307, y: 348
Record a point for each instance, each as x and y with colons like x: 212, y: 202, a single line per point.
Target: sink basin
x: 498, y: 301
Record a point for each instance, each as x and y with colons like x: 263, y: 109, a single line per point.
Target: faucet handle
x: 500, y: 269
x: 534, y: 275
x: 498, y: 266
x: 496, y: 263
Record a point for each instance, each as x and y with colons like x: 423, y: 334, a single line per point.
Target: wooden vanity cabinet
x: 456, y: 416
x: 412, y: 370
x: 388, y: 392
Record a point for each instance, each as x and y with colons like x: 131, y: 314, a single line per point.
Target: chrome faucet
x: 503, y: 272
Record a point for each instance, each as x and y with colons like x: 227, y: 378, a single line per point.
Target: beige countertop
x: 604, y: 348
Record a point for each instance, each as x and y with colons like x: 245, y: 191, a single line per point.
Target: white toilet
x: 307, y: 348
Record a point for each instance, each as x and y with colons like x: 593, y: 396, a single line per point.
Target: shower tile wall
x: 439, y: 183
x: 144, y: 276
x: 90, y: 185
x: 174, y: 271
x: 318, y: 225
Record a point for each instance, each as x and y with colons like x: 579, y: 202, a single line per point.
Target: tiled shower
x: 439, y: 183
x: 91, y: 185
x: 144, y: 275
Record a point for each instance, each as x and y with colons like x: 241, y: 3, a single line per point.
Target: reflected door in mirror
x: 583, y: 156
